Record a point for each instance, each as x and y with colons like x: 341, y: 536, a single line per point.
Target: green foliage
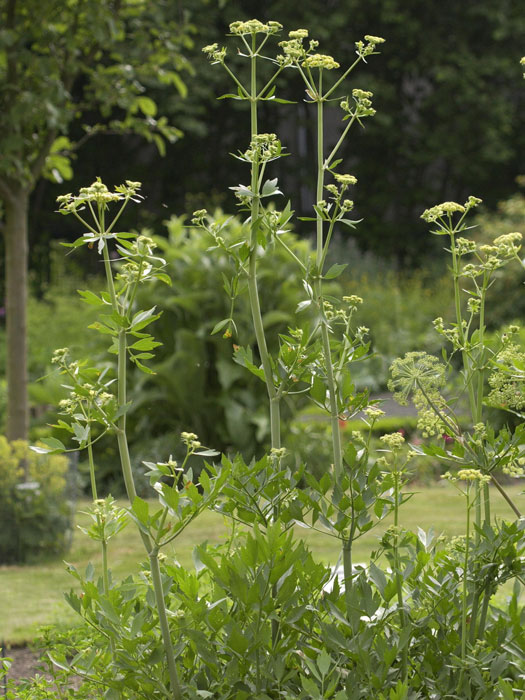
x: 506, y: 295
x: 259, y: 618
x: 196, y: 384
x: 57, y: 61
x: 35, y: 515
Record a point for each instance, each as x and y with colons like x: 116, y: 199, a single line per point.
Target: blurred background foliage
x: 449, y: 96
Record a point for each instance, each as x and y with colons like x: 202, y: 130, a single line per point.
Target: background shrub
x: 35, y: 517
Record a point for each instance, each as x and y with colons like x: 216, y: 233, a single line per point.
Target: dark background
x: 448, y: 90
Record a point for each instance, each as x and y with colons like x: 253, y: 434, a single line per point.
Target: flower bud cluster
x: 190, y: 440
x: 367, y: 47
x: 214, y: 53
x: 508, y: 380
x: 263, y: 148
x: 467, y: 475
x: 255, y: 26
x: 464, y: 246
x: 319, y: 60
x: 277, y: 453
x: 373, y: 413
x: 198, y: 217
x: 515, y: 469
x: 353, y: 301
x: 98, y: 192
x: 448, y: 209
x: 509, y: 244
x: 363, y: 104
x: 394, y: 441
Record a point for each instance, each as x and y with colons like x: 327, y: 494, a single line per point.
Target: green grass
x: 33, y: 595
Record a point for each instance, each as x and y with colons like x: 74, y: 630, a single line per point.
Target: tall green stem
x: 464, y: 593
x: 274, y: 399
x: 92, y: 470
x: 132, y: 492
x: 327, y: 352
x: 399, y: 580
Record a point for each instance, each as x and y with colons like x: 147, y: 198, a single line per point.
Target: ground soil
x: 25, y: 662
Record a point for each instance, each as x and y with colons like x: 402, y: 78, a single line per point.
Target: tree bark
x: 16, y: 262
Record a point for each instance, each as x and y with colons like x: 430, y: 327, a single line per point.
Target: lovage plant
x: 259, y: 617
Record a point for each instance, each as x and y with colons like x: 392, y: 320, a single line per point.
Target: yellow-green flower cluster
x: 298, y: 34
x: 441, y: 210
x: 366, y: 49
x: 522, y: 62
x: 293, y: 49
x: 190, y: 440
x: 277, y: 453
x: 319, y: 60
x: 474, y: 305
x: 59, y: 356
x: 394, y: 441
x: 508, y: 380
x: 448, y: 209
x: 373, y: 413
x: 508, y: 245
x: 214, y: 53
x: 198, y: 217
x: 100, y: 194
x: 464, y: 246
x: 515, y: 469
x: 345, y: 179
x: 254, y: 26
x: 353, y: 301
x: 414, y: 371
x: 263, y: 148
x: 469, y: 475
x: 363, y: 104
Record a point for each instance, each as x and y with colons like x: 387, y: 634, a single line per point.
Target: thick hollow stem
x: 327, y: 353
x: 275, y: 420
x: 131, y: 492
x: 164, y: 625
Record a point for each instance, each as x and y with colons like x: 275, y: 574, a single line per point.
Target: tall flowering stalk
x: 263, y: 148
x: 91, y: 207
x: 313, y: 68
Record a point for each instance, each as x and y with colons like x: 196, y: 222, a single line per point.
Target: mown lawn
x: 32, y: 595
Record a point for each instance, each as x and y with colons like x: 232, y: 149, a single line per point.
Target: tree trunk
x: 16, y: 261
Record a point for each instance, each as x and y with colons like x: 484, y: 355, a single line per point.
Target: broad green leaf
x: 335, y: 271
x: 141, y: 509
x: 51, y: 446
x: 145, y: 344
x: 91, y: 298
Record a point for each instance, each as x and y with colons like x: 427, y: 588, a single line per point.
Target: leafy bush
x: 35, y: 517
x: 196, y: 384
x: 506, y: 295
